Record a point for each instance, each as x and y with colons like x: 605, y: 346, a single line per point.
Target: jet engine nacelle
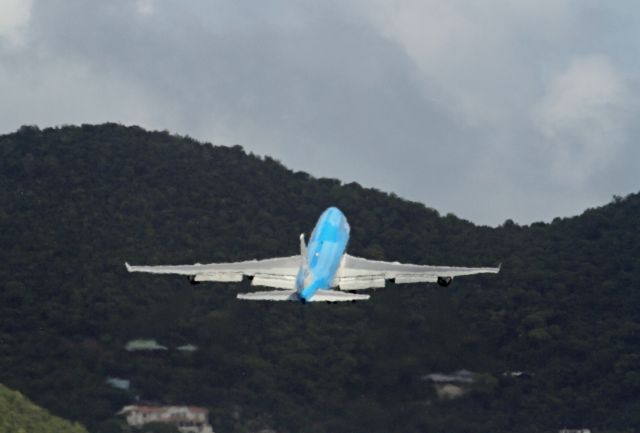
x: 192, y: 280
x: 444, y: 281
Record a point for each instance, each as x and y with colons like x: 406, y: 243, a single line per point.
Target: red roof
x: 197, y: 409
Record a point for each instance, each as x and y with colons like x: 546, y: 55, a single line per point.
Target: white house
x: 188, y: 419
x: 450, y: 386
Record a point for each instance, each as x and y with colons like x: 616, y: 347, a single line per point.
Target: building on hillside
x: 188, y: 419
x: 144, y: 345
x: 579, y: 430
x: 187, y: 348
x: 450, y: 386
x: 460, y: 376
x: 119, y: 383
x: 518, y: 374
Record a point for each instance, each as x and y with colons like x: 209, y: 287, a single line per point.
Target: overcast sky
x: 486, y: 109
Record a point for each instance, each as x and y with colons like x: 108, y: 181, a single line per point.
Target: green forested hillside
x: 77, y: 202
x: 19, y: 415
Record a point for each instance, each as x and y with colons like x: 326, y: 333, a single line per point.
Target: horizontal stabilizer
x: 292, y: 295
x: 275, y: 295
x: 336, y: 296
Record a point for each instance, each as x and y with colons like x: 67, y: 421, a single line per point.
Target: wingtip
x: 128, y: 266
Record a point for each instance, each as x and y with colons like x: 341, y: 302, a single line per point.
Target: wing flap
x: 277, y: 281
x: 362, y: 282
x: 226, y: 277
x: 414, y: 278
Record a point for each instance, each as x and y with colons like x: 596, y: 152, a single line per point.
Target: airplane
x: 323, y: 271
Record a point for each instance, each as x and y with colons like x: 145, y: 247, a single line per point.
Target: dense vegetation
x: 18, y: 414
x: 76, y: 202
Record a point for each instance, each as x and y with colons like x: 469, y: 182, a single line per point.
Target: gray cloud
x: 583, y: 117
x: 491, y: 110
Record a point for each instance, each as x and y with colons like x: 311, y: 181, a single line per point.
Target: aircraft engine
x: 192, y: 280
x: 444, y: 281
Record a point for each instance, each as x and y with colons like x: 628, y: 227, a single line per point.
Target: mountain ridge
x: 79, y: 201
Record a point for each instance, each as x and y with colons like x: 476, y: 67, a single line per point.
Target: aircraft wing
x: 278, y: 272
x: 357, y: 273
